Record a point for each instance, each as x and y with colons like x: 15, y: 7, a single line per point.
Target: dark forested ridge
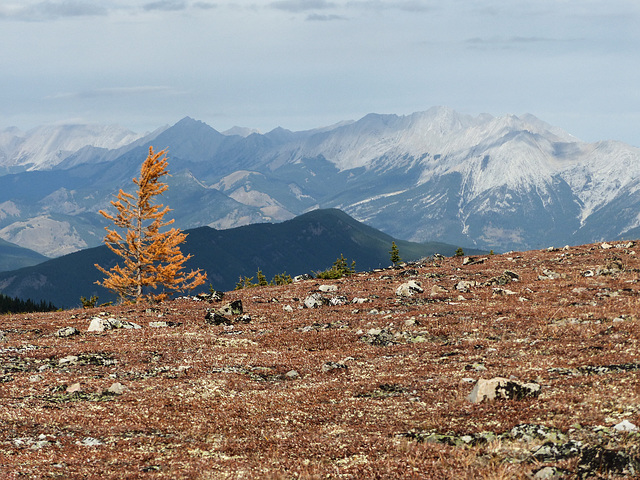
x: 310, y: 242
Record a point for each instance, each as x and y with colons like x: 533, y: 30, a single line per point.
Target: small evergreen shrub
x: 245, y: 282
x: 395, y: 254
x: 90, y: 302
x: 281, y: 279
x: 262, y: 280
x: 340, y: 269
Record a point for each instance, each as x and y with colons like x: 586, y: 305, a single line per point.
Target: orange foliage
x: 152, y: 259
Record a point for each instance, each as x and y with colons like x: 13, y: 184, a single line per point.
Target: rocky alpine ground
x: 521, y: 365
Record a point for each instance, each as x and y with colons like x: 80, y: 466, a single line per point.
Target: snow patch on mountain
x: 8, y: 209
x: 45, y: 235
x: 61, y: 201
x: 377, y: 197
x: 234, y: 179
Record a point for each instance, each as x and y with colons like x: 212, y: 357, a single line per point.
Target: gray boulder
x: 228, y: 314
x: 100, y: 324
x: 315, y: 300
x: 231, y: 308
x: 465, y: 285
x: 300, y: 278
x: 67, y: 332
x: 409, y: 288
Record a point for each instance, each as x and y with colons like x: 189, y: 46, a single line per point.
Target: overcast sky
x: 302, y: 64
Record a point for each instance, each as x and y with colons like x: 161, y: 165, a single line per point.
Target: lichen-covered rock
x: 379, y: 337
x: 231, y: 308
x: 67, y: 332
x: 225, y: 315
x: 409, y: 288
x: 117, y: 388
x: 551, y: 473
x: 625, y: 426
x: 214, y: 296
x: 315, y: 300
x: 528, y: 432
x: 99, y: 325
x: 465, y: 285
x: 328, y: 288
x: 557, y: 451
x: 598, y: 460
x: 214, y: 318
x: 338, y: 300
x: 502, y: 388
x: 333, y: 366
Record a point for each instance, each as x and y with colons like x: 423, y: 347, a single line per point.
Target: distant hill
x: 13, y: 257
x: 307, y: 243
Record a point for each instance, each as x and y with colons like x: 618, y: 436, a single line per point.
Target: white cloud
x: 247, y: 62
x: 205, y: 5
x: 316, y: 17
x: 165, y: 5
x: 49, y: 10
x: 302, y: 5
x: 113, y: 92
x: 407, y: 5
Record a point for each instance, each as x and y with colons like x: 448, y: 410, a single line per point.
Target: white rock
x: 328, y: 288
x: 76, y: 387
x: 98, y: 325
x: 89, y: 442
x: 339, y: 300
x: 409, y: 288
x: 465, y: 285
x: 503, y: 291
x: 117, y: 388
x: 287, y: 308
x: 315, y: 300
x: 158, y: 324
x: 360, y: 300
x: 67, y: 332
x: 606, y: 246
x: 68, y: 359
x: 410, y: 322
x: 625, y: 426
x: 547, y: 473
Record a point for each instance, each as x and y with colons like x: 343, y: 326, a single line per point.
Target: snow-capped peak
x: 46, y: 146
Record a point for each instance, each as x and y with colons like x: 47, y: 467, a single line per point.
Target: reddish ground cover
x: 346, y: 390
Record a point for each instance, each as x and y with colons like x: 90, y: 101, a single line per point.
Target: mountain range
x: 502, y: 183
x: 308, y: 243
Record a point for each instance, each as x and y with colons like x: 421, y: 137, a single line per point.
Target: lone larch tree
x: 152, y: 261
